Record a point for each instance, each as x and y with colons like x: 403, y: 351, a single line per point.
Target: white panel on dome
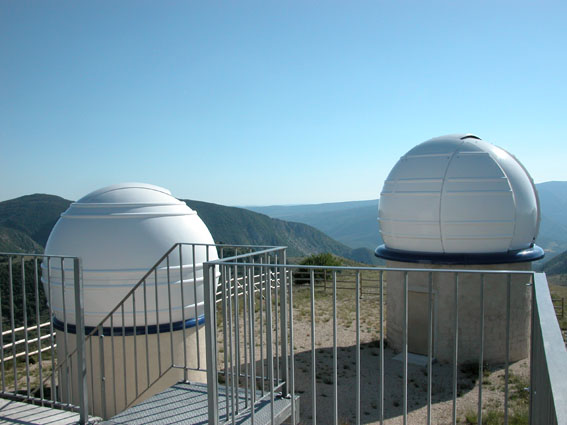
x: 416, y: 220
x: 409, y: 206
x: 478, y: 206
x: 476, y: 184
x: 419, y: 229
x: 421, y: 167
x: 474, y: 164
x: 414, y: 244
x: 472, y: 237
x: 416, y: 186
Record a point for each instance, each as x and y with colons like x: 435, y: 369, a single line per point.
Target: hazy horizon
x: 246, y: 206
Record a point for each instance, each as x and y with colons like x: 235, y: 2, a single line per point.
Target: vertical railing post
x: 430, y: 348
x: 291, y: 351
x: 481, y: 359
x: 357, y: 307
x: 335, y: 354
x: 283, y: 322
x: 507, y: 365
x: 269, y: 336
x: 455, y: 346
x: 25, y: 314
x: 102, y: 371
x: 313, y: 352
x: 80, y: 335
x: 381, y: 347
x: 211, y: 343
x: 251, y: 296
x: 405, y: 349
x: 2, y: 368
x: 534, y: 332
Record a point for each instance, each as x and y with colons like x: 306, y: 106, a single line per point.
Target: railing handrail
x: 94, y: 331
x: 98, y: 329
x: 29, y: 328
x: 234, y: 287
x: 545, y: 321
x: 266, y: 250
x: 22, y: 254
x: 223, y: 262
x: 264, y: 263
x: 555, y: 353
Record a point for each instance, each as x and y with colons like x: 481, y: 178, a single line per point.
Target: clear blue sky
x: 256, y: 103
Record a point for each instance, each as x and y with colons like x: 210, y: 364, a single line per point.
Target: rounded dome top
x: 129, y: 193
x: 119, y: 232
x: 128, y: 200
x: 458, y: 194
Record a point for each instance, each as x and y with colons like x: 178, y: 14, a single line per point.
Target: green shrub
x: 302, y: 276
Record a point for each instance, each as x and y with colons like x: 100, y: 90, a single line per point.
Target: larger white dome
x: 120, y: 232
x: 458, y: 194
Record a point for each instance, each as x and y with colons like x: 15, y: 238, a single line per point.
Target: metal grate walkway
x: 186, y: 403
x: 18, y: 413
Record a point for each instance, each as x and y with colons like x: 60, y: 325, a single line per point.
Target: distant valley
x: 25, y: 224
x: 355, y: 223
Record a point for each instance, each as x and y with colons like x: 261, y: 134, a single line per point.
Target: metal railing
x: 559, y: 306
x: 32, y: 370
x: 266, y: 339
x: 247, y: 331
x: 153, y: 342
x: 322, y: 306
x: 369, y: 286
x: 548, y: 360
x: 102, y: 368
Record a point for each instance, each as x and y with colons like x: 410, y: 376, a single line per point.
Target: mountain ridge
x: 353, y: 223
x: 357, y: 225
x: 25, y: 224
x: 349, y: 229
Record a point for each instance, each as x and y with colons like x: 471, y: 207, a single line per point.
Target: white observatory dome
x: 120, y: 232
x: 458, y: 194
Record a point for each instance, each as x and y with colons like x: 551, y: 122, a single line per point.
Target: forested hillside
x: 352, y: 223
x: 30, y: 215
x: 25, y: 224
x: 557, y: 265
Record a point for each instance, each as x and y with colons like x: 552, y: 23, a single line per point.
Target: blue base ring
x: 130, y: 330
x: 532, y: 253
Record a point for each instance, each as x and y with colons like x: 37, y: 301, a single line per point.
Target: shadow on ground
x: 370, y: 384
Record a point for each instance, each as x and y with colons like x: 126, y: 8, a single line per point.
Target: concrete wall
x: 123, y: 381
x: 469, y: 312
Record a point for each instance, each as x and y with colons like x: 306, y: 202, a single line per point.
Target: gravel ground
x: 442, y: 386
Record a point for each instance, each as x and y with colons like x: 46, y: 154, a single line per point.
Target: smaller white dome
x: 458, y: 194
x: 120, y: 232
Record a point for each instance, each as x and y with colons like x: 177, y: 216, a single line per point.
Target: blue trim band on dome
x: 532, y: 253
x: 130, y: 330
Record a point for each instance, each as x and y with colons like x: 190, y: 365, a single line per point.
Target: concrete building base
x: 469, y: 317
x: 128, y: 373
